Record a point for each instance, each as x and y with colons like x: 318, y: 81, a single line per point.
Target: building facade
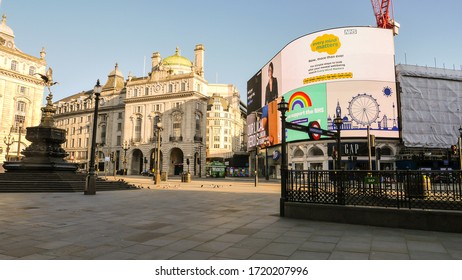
x: 172, y: 100
x: 21, y: 94
x: 75, y: 115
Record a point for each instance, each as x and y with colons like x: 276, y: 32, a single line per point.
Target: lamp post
x: 460, y: 147
x: 341, y: 193
x: 338, y: 121
x: 19, y: 141
x: 159, y: 130
x: 267, y: 143
x: 283, y: 107
x: 125, y: 147
x: 8, y: 142
x: 90, y: 187
x: 200, y: 161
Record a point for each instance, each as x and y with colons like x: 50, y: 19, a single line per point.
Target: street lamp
x: 125, y: 147
x: 338, y: 121
x: 159, y: 130
x: 8, y: 142
x: 267, y: 144
x: 19, y: 141
x: 283, y: 107
x: 460, y: 148
x: 90, y: 187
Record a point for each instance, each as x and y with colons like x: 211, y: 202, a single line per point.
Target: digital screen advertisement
x: 344, y: 71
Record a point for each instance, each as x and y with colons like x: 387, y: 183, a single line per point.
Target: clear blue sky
x: 84, y: 39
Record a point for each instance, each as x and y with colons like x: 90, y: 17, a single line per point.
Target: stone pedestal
x: 45, y: 152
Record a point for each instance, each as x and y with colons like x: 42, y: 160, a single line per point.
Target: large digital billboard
x: 344, y: 71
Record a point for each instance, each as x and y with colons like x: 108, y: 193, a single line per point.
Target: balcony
x: 176, y: 138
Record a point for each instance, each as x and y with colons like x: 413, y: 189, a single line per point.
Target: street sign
x: 313, y: 129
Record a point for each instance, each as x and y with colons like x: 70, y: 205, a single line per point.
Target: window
x: 183, y: 86
x: 216, y: 138
x: 14, y: 65
x: 170, y: 88
x: 216, y: 122
x: 32, y: 70
x: 119, y: 115
x: 119, y: 140
x: 216, y: 146
x: 158, y: 107
x: 146, y: 91
x: 198, y: 125
x: 135, y: 92
x: 138, y: 123
x: 119, y: 126
x: 21, y: 107
x: 217, y: 108
x: 103, y: 133
x: 177, y: 125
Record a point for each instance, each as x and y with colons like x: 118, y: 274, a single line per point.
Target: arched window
x: 299, y: 153
x: 316, y: 152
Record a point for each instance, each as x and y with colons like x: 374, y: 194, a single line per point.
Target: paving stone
x: 307, y: 255
x: 341, y: 255
x: 425, y: 246
x: 281, y: 249
x: 317, y: 246
x: 185, y: 222
x: 388, y: 256
x: 213, y: 246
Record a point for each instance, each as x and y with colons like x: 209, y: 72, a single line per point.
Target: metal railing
x: 397, y: 189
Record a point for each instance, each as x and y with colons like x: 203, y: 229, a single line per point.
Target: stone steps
x: 55, y: 182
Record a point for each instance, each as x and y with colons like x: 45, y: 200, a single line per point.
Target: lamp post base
x: 157, y: 181
x: 90, y: 185
x: 282, y: 207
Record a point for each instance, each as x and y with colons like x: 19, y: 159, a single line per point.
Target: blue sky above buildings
x: 84, y: 39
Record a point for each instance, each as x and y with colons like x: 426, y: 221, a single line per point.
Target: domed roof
x: 5, y: 29
x: 177, y: 59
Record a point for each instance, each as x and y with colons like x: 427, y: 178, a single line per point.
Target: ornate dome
x: 177, y: 60
x: 5, y: 29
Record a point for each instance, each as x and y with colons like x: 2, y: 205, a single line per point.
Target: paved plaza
x: 205, y: 219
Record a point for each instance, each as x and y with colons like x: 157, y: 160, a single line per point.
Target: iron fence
x: 397, y: 189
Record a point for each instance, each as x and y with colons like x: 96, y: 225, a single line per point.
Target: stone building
x: 21, y: 93
x: 226, y: 124
x: 75, y: 115
x: 174, y: 94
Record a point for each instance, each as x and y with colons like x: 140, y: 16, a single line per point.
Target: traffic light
x: 454, y: 149
x: 112, y: 156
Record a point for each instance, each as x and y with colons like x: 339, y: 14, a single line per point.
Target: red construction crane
x: 382, y: 15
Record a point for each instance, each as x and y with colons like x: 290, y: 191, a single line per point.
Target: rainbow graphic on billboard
x: 300, y: 99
